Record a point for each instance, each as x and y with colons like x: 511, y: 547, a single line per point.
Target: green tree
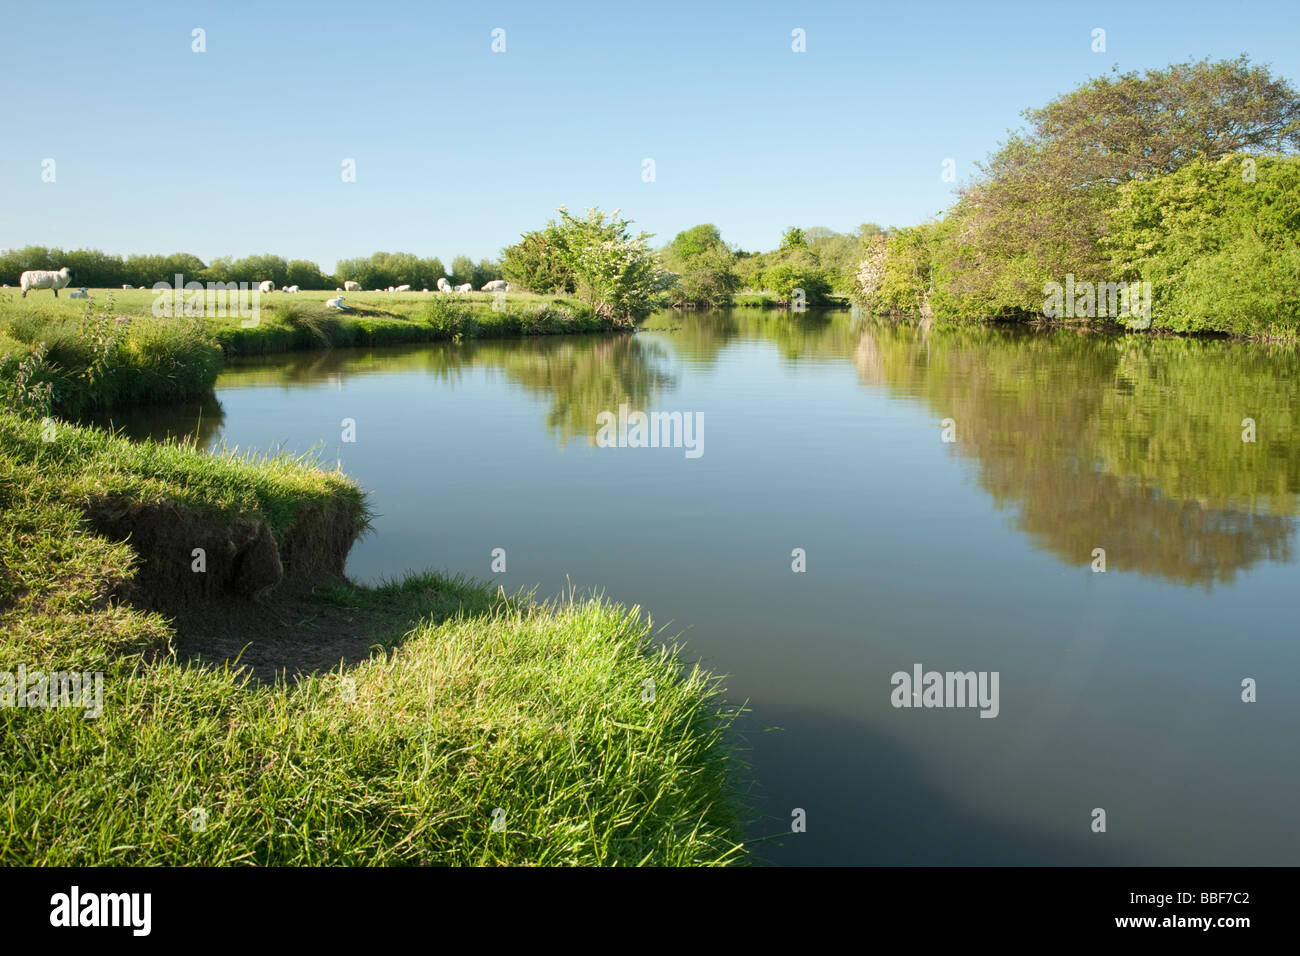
x: 1219, y: 242
x: 1037, y: 210
x: 704, y: 266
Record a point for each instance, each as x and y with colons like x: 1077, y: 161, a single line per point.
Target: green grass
x: 112, y: 351
x: 472, y: 708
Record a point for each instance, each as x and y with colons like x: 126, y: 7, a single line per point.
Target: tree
x: 1039, y: 207
x: 538, y: 263
x: 1219, y: 243
x: 614, y: 271
x: 704, y: 266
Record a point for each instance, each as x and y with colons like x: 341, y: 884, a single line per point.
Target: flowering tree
x: 613, y: 271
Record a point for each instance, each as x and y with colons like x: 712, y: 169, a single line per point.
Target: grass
x: 471, y: 709
x: 112, y: 351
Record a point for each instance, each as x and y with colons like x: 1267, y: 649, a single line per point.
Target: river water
x: 949, y: 490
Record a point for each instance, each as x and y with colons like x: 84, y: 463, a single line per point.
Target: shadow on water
x: 885, y: 808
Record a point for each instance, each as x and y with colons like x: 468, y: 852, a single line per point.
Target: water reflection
x: 1129, y: 444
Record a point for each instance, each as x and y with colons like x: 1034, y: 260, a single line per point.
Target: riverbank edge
x: 1040, y: 323
x: 595, y: 740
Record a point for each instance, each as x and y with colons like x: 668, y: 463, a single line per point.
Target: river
x: 949, y: 490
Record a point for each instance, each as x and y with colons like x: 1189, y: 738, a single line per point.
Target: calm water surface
x: 1119, y: 690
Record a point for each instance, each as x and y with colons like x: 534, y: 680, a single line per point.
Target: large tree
x: 1038, y: 208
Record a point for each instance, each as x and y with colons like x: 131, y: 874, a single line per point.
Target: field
x: 117, y: 348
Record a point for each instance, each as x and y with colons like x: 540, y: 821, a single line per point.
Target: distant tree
x: 462, y: 271
x: 705, y: 267
x: 793, y: 238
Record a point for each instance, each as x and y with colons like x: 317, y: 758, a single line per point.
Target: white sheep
x: 45, y: 279
x: 291, y: 289
x: 336, y: 303
x: 266, y: 286
x: 403, y: 288
x: 497, y: 285
x: 127, y: 285
x: 426, y: 288
x: 465, y: 288
x: 444, y: 285
x: 351, y: 286
x: 79, y: 294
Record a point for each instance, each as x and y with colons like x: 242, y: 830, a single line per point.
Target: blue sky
x: 458, y: 149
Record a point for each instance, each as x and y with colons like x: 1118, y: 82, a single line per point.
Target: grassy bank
x: 379, y: 725
x: 111, y: 350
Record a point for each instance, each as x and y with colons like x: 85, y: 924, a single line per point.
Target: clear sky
x: 239, y: 149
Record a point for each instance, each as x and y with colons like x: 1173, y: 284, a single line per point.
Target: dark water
x: 1119, y: 690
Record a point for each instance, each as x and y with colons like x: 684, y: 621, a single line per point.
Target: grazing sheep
x: 44, y: 279
x: 266, y: 286
x: 351, y: 286
x: 403, y: 288
x: 444, y: 285
x: 426, y: 288
x: 291, y: 289
x: 336, y: 303
x: 127, y: 285
x: 497, y: 285
x: 79, y: 294
x: 465, y: 288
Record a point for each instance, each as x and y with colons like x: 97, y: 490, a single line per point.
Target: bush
x: 1219, y: 242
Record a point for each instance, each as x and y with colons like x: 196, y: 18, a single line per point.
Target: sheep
x: 497, y: 285
x: 336, y: 303
x: 426, y: 289
x: 465, y: 288
x: 291, y: 289
x: 44, y: 279
x: 127, y: 285
x: 79, y: 294
x: 351, y: 286
x: 266, y: 286
x: 403, y: 288
x: 444, y: 285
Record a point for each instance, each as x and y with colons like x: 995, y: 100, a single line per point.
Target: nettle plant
x: 614, y: 271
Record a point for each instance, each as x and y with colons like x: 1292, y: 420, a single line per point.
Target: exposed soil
x: 287, y: 634
x: 254, y: 602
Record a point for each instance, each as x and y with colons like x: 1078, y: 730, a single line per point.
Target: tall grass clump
x: 100, y: 360
x: 481, y: 730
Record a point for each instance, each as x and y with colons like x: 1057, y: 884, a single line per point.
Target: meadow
x: 112, y: 349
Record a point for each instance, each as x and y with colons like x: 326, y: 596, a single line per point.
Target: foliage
x: 1041, y: 207
x: 537, y: 263
x: 704, y: 266
x: 1219, y: 242
x: 614, y: 272
x: 539, y: 710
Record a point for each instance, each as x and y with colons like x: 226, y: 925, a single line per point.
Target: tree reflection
x: 1129, y: 444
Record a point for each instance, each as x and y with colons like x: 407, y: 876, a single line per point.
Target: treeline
x: 96, y: 269
x: 1180, y: 178
x: 701, y: 268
